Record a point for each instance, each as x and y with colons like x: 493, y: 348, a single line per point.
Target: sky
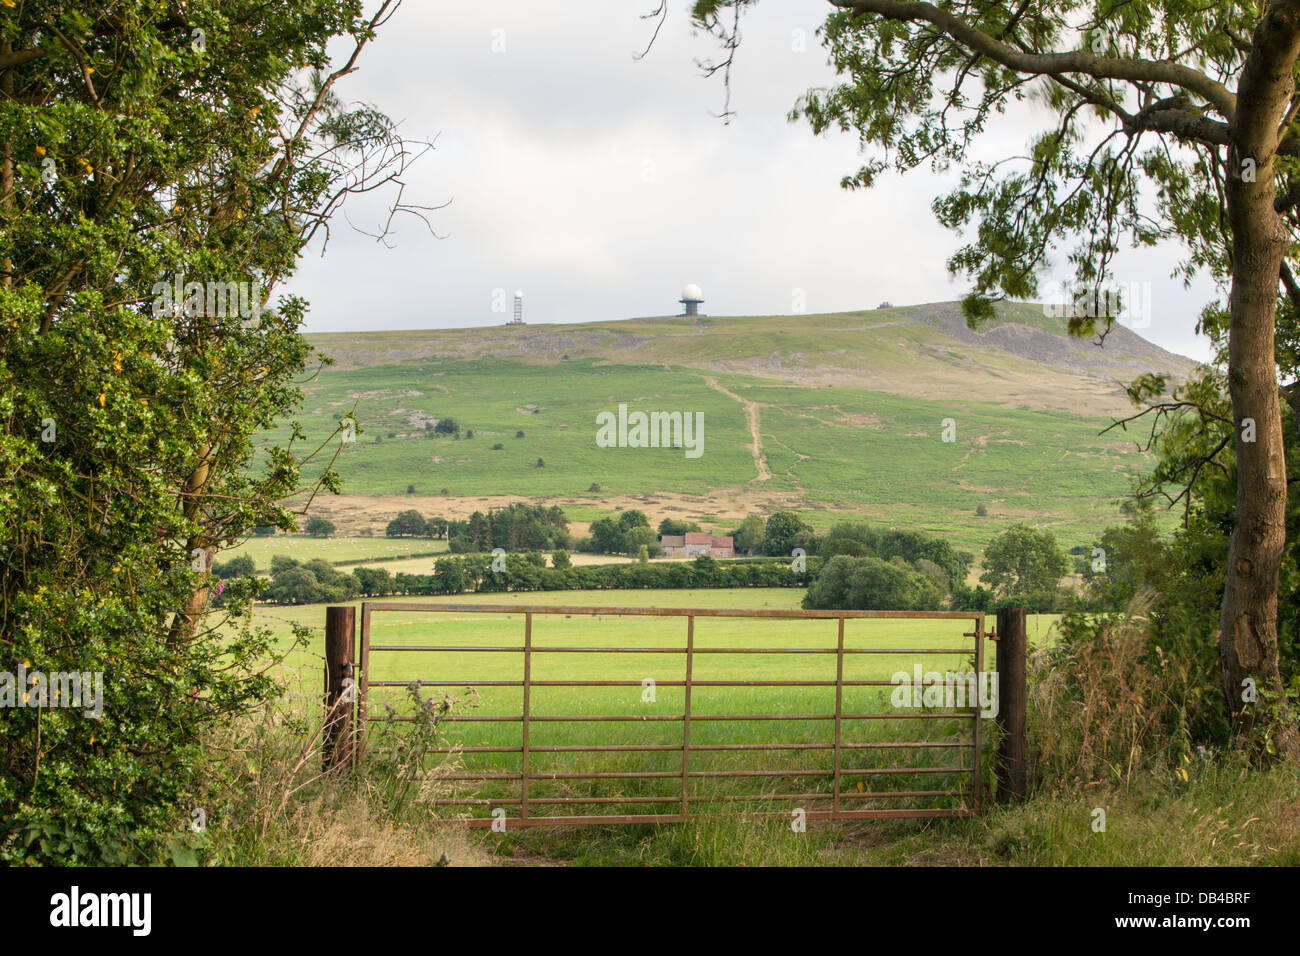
x: 600, y: 184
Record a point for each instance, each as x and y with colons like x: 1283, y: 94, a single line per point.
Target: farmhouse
x: 694, y: 544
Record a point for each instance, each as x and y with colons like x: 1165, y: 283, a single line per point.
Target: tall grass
x: 271, y: 802
x: 1105, y: 704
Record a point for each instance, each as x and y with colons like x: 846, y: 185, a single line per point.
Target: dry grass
x: 1100, y: 709
x: 272, y: 804
x: 354, y: 832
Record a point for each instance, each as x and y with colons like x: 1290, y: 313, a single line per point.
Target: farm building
x: 694, y: 544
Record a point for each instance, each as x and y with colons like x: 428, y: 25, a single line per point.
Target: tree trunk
x: 1248, y: 643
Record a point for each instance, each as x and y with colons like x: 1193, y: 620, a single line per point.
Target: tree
x: 779, y: 534
x: 854, y: 538
x: 407, y: 524
x: 294, y: 586
x: 676, y: 527
x: 374, y: 582
x: 1125, y: 559
x: 1023, y: 560
x: 149, y: 211
x: 632, y: 518
x: 606, y: 536
x: 237, y: 567
x: 320, y: 527
x: 1191, y: 105
x: 446, y: 426
x: 749, y: 536
x: 560, y: 559
x: 869, y: 584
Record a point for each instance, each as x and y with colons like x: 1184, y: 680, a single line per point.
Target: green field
x: 444, y: 672
x: 844, y: 450
x: 845, y: 412
x: 340, y: 551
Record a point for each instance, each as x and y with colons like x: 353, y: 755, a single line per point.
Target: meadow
x: 1225, y: 813
x: 829, y: 453
x: 344, y: 552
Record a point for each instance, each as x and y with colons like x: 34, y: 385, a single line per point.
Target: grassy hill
x: 833, y: 415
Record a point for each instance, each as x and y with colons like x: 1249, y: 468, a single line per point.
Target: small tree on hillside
x: 1023, y: 560
x: 320, y: 527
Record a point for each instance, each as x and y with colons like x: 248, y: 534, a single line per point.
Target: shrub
x: 869, y: 584
x: 1104, y: 704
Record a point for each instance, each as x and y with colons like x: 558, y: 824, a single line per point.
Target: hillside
x: 1024, y: 358
x: 833, y: 415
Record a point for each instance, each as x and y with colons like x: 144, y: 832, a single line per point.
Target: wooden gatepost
x: 1012, y: 764
x: 340, y: 686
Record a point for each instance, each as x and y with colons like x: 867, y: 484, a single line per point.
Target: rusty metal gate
x: 844, y: 741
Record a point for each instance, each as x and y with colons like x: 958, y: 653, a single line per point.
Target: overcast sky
x: 600, y: 184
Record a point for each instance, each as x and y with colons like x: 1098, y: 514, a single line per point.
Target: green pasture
x: 843, y: 449
x: 358, y: 550
x: 556, y: 409
x: 659, y: 643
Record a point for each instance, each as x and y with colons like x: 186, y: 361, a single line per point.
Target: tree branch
x: 1047, y: 64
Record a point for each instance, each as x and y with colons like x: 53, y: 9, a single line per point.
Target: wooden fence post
x: 340, y: 688
x: 1012, y: 650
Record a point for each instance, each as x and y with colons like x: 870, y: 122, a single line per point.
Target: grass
x: 652, y: 713
x: 845, y: 450
x: 1230, y: 816
x: 337, y: 551
x: 854, y: 449
x: 1223, y: 814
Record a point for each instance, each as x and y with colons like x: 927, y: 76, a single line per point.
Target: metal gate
x: 838, y: 754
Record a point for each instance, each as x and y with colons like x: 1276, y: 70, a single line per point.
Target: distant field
x: 352, y: 551
x: 829, y: 451
x: 835, y: 416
